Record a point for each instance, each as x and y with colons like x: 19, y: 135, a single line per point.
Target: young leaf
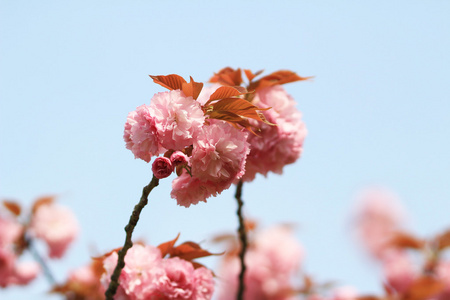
x: 192, y: 89
x: 276, y: 78
x: 226, y: 92
x: 13, y: 207
x: 171, y: 81
x: 405, y: 240
x: 443, y: 240
x: 42, y: 201
x: 227, y: 76
x: 167, y: 247
x: 240, y: 107
x: 423, y: 288
x: 250, y: 74
x: 189, y: 251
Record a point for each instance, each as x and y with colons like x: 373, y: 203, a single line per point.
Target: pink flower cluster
x: 280, y: 145
x: 274, y: 257
x: 13, y: 272
x: 57, y: 226
x: 175, y: 125
x: 147, y: 275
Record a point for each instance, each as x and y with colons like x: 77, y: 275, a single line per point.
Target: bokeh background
x: 377, y: 112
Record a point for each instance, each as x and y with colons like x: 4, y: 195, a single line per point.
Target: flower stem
x: 34, y: 252
x: 242, y: 238
x: 134, y: 218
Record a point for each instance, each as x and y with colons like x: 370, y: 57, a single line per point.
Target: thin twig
x: 134, y: 218
x: 243, y: 239
x: 47, y: 272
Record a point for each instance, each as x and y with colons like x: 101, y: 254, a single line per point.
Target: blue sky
x: 377, y: 112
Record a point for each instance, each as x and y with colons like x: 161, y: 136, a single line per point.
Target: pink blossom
x: 271, y: 262
x: 218, y: 159
x: 399, y: 270
x: 276, y: 146
x: 178, y: 158
x: 162, y: 167
x: 141, y: 135
x: 56, y: 226
x: 377, y: 216
x: 147, y: 276
x: 177, y: 119
x: 345, y: 293
x: 178, y: 280
x: 189, y: 190
x: 443, y: 273
x: 13, y: 272
x: 142, y: 264
x: 219, y: 153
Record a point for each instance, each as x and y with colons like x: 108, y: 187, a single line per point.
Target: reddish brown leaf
x: 276, y: 78
x: 443, y: 240
x: 42, y: 201
x: 171, y: 81
x: 405, y: 240
x: 167, y: 247
x: 423, y: 288
x: 102, y: 257
x: 13, y: 207
x: 192, y: 89
x: 250, y: 74
x: 228, y: 76
x: 226, y: 92
x: 189, y: 251
x: 240, y: 107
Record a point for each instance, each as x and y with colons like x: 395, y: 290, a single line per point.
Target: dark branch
x: 134, y: 218
x: 242, y: 238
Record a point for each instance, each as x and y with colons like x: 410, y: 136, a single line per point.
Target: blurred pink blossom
x: 13, y: 272
x: 276, y: 146
x: 57, y: 226
x: 162, y: 167
x: 378, y: 216
x: 272, y: 261
x: 399, y: 270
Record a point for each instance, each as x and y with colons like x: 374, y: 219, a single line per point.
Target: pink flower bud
x: 162, y: 167
x: 178, y: 158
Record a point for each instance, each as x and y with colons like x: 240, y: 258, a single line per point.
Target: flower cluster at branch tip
x: 148, y: 274
x: 49, y: 222
x: 204, y: 133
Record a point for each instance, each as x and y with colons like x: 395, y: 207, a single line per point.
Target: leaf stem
x: 134, y: 218
x: 242, y: 238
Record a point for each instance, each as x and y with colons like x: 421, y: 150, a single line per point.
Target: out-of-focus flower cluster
x: 201, y: 132
x: 49, y: 222
x: 273, y: 260
x: 273, y: 269
x: 413, y: 268
x: 148, y: 274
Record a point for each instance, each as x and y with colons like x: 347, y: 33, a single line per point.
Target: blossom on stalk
x: 140, y: 134
x: 56, y: 225
x: 147, y: 275
x: 276, y: 146
x: 378, y: 216
x: 272, y: 260
x: 218, y: 159
x: 178, y: 158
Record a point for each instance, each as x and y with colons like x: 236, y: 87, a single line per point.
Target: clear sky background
x: 377, y: 112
